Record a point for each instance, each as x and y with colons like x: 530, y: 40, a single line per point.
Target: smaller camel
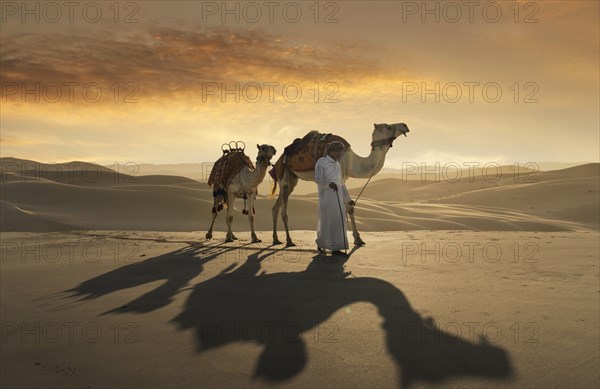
x: 244, y: 184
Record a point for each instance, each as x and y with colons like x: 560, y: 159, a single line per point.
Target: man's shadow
x: 245, y: 304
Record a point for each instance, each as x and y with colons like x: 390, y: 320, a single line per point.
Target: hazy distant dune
x: 78, y: 173
x: 586, y: 170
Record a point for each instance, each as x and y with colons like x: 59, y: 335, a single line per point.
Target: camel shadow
x: 177, y: 268
x: 243, y: 303
x: 274, y: 310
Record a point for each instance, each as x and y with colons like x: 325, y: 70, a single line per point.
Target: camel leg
x: 230, y: 209
x: 357, y: 240
x: 210, y: 230
x: 251, y: 218
x: 286, y: 192
x: 275, y: 212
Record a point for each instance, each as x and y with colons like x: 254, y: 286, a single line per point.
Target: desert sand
x: 107, y: 281
x: 150, y: 309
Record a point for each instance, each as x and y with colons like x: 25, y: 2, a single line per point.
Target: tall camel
x: 352, y: 165
x: 245, y: 183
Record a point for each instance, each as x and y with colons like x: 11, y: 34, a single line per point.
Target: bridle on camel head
x: 383, y: 142
x: 265, y: 158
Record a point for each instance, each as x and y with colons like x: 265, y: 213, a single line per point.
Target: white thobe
x: 331, y: 228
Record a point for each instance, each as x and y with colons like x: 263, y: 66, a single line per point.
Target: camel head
x: 265, y: 152
x: 384, y: 134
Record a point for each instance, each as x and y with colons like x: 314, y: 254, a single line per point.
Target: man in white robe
x: 333, y: 196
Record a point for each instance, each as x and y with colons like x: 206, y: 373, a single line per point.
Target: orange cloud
x: 170, y: 62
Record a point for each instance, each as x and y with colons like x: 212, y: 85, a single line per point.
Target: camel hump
x: 303, y: 153
x: 299, y: 143
x: 337, y: 138
x: 227, y: 167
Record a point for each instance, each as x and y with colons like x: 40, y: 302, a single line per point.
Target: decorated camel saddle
x: 303, y: 153
x: 231, y: 163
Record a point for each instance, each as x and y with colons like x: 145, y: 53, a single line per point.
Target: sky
x: 170, y: 82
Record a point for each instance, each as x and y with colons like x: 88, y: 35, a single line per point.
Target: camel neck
x: 364, y: 167
x: 257, y: 175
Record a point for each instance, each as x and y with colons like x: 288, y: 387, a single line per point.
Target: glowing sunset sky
x: 365, y: 63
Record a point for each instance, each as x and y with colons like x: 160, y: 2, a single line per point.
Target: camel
x: 244, y: 184
x: 352, y: 165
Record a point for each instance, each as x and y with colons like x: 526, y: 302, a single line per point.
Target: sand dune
x: 571, y: 199
x: 36, y: 200
x: 434, y: 187
x: 177, y: 208
x: 16, y: 219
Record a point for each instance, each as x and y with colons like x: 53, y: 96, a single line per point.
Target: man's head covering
x: 335, y: 145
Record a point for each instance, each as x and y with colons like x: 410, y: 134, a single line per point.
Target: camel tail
x: 274, y: 189
x: 225, y: 201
